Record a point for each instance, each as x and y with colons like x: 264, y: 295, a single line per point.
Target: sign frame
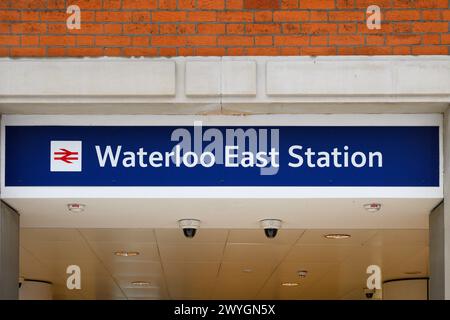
x: 222, y: 120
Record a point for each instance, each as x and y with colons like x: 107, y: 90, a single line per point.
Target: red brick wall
x: 223, y: 27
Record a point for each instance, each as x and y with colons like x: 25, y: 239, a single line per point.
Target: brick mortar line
x: 234, y: 46
x: 349, y: 10
x: 230, y: 34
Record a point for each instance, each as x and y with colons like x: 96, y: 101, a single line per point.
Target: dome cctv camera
x: 270, y: 227
x: 189, y: 227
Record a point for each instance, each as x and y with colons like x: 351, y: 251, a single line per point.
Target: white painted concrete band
x: 227, y: 80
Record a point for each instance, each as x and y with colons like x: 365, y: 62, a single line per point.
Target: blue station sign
x: 217, y: 156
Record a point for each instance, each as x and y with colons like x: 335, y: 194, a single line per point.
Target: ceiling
x: 219, y: 263
x: 229, y: 242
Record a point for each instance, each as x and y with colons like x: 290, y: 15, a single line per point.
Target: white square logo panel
x: 65, y: 156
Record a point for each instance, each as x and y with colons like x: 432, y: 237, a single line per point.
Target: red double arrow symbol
x: 66, y: 155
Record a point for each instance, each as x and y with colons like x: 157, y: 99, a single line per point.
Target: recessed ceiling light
x: 289, y: 284
x: 140, y: 283
x: 76, y: 207
x: 337, y: 236
x: 126, y: 253
x: 412, y: 272
x: 372, y: 207
x: 302, y: 273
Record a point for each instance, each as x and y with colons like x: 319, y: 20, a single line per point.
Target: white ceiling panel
x: 320, y: 253
x: 197, y: 271
x: 190, y: 290
x: 191, y: 252
x: 239, y: 280
x: 134, y: 268
x: 236, y: 288
x: 249, y: 252
x: 418, y: 237
x: 32, y: 268
x: 49, y: 251
x: 119, y: 235
x: 28, y: 235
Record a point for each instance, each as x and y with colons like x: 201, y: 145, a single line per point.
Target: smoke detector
x: 372, y: 207
x: 76, y: 207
